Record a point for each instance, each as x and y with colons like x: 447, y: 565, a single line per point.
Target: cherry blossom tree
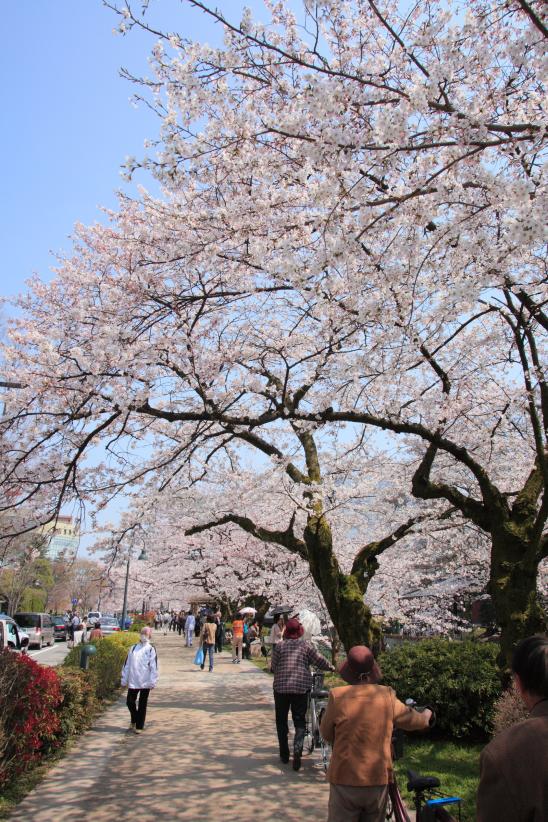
x: 343, y: 281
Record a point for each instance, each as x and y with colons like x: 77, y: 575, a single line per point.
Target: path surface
x: 208, y: 754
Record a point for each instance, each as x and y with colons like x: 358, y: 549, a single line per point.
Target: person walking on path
x: 140, y: 675
x: 207, y: 638
x: 277, y: 631
x: 189, y: 629
x: 291, y: 660
x: 219, y: 634
x: 96, y: 632
x: 513, y: 783
x: 358, y: 722
x: 237, y: 638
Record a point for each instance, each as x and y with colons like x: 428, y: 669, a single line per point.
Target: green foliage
x: 80, y: 704
x: 137, y: 624
x: 456, y: 764
x: 460, y: 679
x: 107, y: 663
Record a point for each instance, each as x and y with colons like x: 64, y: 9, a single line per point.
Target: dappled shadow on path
x: 208, y: 754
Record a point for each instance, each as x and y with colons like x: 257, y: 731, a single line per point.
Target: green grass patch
x: 455, y: 763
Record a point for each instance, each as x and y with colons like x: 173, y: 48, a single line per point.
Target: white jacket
x: 141, y: 667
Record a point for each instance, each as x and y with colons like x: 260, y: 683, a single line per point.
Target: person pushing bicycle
x: 358, y: 723
x: 291, y: 660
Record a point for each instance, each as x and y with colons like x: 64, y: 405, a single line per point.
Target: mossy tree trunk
x: 513, y: 586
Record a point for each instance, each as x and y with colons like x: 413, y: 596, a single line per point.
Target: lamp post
x: 142, y: 556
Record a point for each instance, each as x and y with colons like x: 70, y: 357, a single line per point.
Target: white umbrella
x: 245, y: 611
x: 310, y: 622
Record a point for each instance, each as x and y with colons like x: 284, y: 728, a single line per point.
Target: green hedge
x: 80, y: 704
x: 107, y: 663
x: 460, y: 679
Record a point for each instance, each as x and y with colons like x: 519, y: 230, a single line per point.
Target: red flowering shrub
x: 30, y: 696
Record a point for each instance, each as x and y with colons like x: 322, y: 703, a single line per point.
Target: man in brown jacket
x: 358, y: 723
x: 514, y: 766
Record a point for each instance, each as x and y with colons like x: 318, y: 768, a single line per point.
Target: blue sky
x: 67, y: 121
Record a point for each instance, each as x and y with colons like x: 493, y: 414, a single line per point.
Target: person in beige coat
x: 514, y: 766
x: 358, y: 723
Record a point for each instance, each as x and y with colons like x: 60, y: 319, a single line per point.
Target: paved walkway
x: 208, y: 754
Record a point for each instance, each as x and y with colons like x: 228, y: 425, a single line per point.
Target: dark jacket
x: 514, y: 772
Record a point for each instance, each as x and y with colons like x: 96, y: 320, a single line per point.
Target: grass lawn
x: 456, y: 764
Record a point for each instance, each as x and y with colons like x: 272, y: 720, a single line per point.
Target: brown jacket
x: 514, y: 772
x: 358, y: 722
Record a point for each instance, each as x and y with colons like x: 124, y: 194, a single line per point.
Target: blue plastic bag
x: 199, y: 658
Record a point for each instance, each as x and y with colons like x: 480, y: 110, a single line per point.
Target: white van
x: 11, y: 635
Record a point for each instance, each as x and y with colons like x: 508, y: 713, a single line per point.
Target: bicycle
x: 429, y: 803
x: 317, y: 703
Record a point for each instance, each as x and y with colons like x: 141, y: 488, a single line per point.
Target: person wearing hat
x: 291, y: 661
x: 358, y: 723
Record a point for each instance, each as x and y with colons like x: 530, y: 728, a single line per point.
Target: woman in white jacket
x: 139, y: 675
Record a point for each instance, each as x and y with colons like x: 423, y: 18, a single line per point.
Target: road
x: 50, y: 656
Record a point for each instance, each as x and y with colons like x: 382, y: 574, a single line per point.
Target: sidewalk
x: 208, y: 754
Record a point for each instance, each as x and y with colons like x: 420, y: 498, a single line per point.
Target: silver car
x: 38, y: 626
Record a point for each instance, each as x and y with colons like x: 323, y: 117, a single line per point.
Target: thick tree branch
x: 286, y: 538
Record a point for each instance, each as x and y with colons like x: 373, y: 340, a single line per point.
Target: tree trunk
x: 513, y: 588
x: 342, y: 593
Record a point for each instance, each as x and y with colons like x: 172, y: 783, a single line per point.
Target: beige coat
x: 207, y: 633
x: 514, y: 772
x: 358, y: 722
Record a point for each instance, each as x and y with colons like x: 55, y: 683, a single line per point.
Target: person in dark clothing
x: 219, y: 635
x: 291, y: 660
x: 198, y: 625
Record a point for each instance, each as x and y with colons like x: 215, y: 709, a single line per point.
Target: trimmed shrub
x: 107, y: 663
x: 460, y: 679
x: 80, y: 705
x: 30, y: 696
x: 509, y: 709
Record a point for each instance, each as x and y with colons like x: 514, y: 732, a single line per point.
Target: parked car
x: 11, y: 635
x: 38, y: 626
x: 109, y: 625
x: 59, y: 627
x: 93, y: 617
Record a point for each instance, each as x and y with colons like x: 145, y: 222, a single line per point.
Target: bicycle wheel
x: 309, y: 729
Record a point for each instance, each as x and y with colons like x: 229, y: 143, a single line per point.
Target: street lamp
x: 142, y: 556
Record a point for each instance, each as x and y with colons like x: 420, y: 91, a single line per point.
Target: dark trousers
x: 138, y: 711
x: 298, y: 704
x: 218, y: 644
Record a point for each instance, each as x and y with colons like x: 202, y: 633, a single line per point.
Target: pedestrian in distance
x: 219, y: 635
x: 166, y: 618
x: 358, y: 722
x: 140, y: 676
x: 513, y: 784
x: 277, y: 630
x: 189, y: 629
x: 181, y: 622
x: 95, y: 632
x: 237, y: 638
x: 207, y: 639
x: 291, y: 661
